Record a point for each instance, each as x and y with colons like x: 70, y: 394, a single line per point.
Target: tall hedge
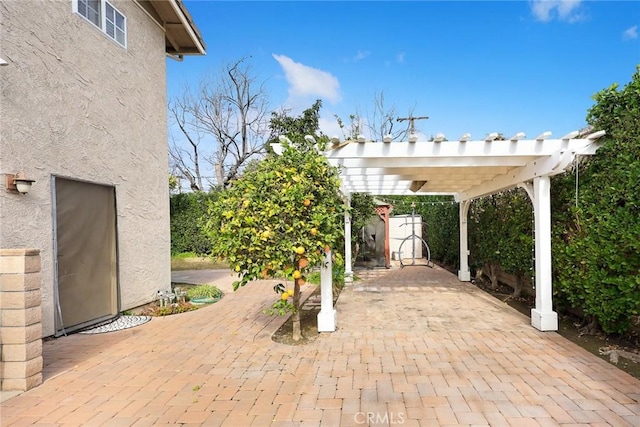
x: 187, y: 211
x: 597, y: 235
x: 501, y: 233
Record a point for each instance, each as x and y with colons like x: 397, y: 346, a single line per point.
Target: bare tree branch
x: 383, y: 119
x: 229, y: 114
x: 376, y: 125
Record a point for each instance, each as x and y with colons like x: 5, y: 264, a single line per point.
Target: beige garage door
x: 86, y: 254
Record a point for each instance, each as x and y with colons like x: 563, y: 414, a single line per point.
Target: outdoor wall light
x: 18, y: 183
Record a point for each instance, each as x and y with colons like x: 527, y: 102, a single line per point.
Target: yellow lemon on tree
x: 237, y: 268
x: 290, y: 292
x: 299, y: 250
x: 284, y: 296
x: 297, y: 274
x: 306, y: 202
x: 313, y: 231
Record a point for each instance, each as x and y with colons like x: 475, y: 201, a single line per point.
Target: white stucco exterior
x: 75, y: 104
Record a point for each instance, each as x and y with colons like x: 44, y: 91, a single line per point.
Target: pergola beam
x: 551, y: 165
x: 444, y: 149
x: 432, y: 162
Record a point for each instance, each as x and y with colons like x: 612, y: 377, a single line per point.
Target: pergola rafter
x: 466, y: 169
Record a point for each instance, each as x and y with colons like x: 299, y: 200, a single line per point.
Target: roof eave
x: 182, y: 36
x: 185, y: 18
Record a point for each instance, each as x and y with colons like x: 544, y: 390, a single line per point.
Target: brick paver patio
x: 414, y: 347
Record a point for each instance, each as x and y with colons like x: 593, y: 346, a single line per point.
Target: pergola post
x: 348, y: 272
x: 327, y: 315
x: 543, y: 317
x: 464, y: 274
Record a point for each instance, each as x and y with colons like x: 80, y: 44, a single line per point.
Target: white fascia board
x: 187, y: 25
x: 546, y: 166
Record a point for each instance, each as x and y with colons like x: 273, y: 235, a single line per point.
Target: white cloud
x: 563, y: 10
x: 305, y: 81
x: 630, y: 33
x: 328, y: 124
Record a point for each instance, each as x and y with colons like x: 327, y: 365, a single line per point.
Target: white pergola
x: 466, y: 169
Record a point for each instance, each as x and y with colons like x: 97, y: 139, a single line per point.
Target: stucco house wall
x: 75, y: 104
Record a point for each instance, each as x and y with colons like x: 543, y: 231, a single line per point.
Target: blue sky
x: 477, y: 67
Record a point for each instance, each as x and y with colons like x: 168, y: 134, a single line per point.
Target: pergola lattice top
x: 465, y: 168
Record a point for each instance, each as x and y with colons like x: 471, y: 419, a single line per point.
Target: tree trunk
x: 297, y: 334
x: 591, y: 326
x: 517, y: 290
x: 493, y: 275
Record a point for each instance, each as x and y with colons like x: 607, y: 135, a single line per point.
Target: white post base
x: 348, y: 277
x: 544, y: 321
x: 327, y: 321
x: 464, y: 276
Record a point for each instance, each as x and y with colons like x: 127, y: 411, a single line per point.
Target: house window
x: 105, y: 16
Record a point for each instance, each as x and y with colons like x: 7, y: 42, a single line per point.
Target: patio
x: 413, y: 347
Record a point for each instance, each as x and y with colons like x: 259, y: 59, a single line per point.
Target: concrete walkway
x: 414, y: 347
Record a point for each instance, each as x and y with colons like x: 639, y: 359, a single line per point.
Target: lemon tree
x: 279, y: 219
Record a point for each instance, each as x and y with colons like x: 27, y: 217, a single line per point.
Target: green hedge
x: 187, y: 211
x: 597, y: 235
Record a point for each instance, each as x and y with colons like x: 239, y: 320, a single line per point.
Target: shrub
x: 187, y: 211
x: 204, y: 291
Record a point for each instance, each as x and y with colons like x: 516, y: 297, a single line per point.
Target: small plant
x: 173, y: 308
x: 204, y: 291
x: 284, y: 304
